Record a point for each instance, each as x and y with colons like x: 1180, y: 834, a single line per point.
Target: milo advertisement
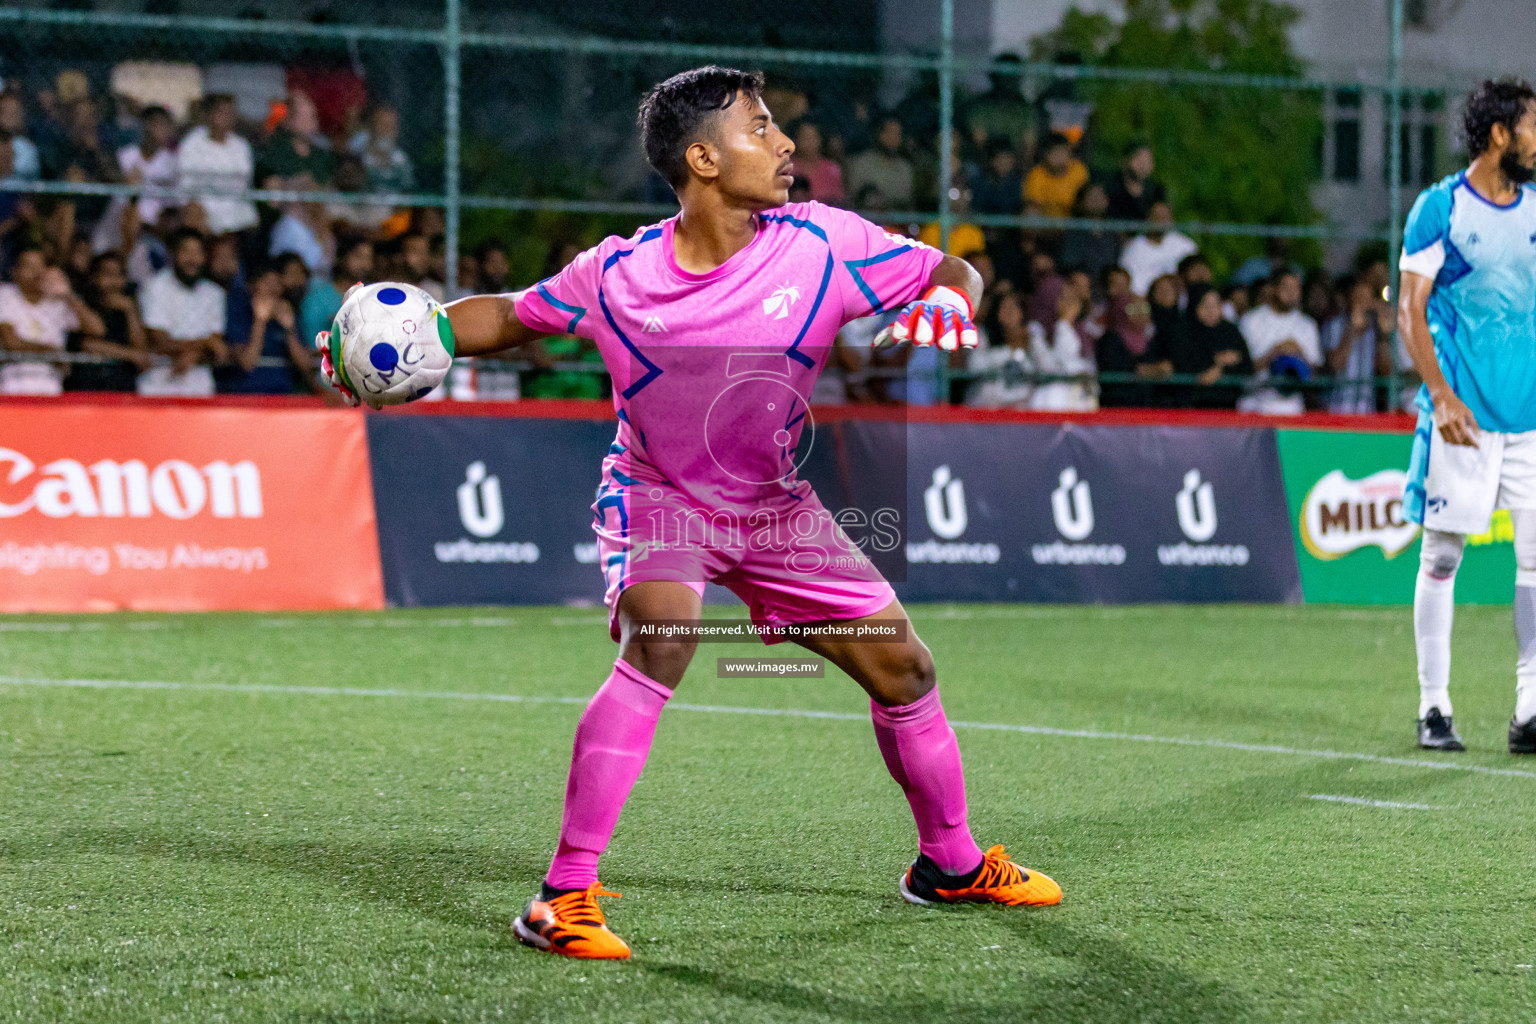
x: 1353, y: 543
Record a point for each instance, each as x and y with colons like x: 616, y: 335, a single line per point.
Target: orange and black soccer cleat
x: 997, y: 880
x: 570, y: 924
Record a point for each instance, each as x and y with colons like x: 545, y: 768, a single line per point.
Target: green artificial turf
x: 205, y: 854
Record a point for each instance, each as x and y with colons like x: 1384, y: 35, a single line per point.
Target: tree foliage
x: 1225, y: 153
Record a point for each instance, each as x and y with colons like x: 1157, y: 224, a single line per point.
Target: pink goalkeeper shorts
x: 791, y: 567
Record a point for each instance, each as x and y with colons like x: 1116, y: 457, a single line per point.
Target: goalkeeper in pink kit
x: 714, y: 324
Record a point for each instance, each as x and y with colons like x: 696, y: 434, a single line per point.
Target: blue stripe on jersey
x: 652, y: 371
x: 869, y: 293
x: 793, y: 351
x: 580, y: 311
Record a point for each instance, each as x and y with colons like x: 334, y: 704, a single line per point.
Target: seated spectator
x: 1192, y: 270
x: 1004, y: 357
x: 1285, y: 348
x: 184, y: 313
x: 352, y: 176
x: 304, y: 229
x: 1165, y: 299
x: 1211, y: 349
x: 884, y: 167
x: 1053, y: 183
x: 26, y: 164
x: 122, y: 340
x: 213, y: 158
x: 77, y: 263
x: 1358, y: 347
x: 354, y: 264
x: 37, y: 311
x: 1057, y: 348
x: 84, y: 156
x: 416, y: 265
x: 1133, y: 191
x: 1157, y: 252
x: 999, y: 188
x: 1321, y: 301
x: 1127, y: 347
x: 389, y: 169
x: 1234, y: 302
x: 822, y: 172
x: 152, y: 160
x: 1088, y: 249
x: 1003, y: 113
x: 273, y: 336
x: 963, y: 236
x: 296, y: 148
x: 494, y: 268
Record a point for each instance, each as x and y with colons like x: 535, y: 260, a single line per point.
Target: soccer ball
x: 391, y: 343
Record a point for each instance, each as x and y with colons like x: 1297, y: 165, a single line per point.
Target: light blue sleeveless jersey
x: 1482, y: 309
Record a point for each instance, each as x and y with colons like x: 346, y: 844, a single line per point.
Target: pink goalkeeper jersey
x: 711, y: 371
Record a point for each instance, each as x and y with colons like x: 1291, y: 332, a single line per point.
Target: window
x: 1346, y: 135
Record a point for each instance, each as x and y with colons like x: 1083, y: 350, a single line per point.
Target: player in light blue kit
x: 1467, y: 311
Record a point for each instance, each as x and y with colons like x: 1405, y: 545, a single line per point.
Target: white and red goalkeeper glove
x: 328, y: 368
x: 941, y: 317
x: 328, y: 363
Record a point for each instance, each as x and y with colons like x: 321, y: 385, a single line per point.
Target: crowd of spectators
x: 206, y: 293
x: 1076, y: 317
x: 203, y: 293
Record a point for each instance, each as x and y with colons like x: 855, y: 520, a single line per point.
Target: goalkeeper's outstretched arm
x: 486, y: 324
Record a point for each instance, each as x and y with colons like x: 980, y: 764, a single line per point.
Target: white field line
x: 1359, y: 802
x: 722, y: 709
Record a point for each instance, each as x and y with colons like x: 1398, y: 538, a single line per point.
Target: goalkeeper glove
x: 328, y: 368
x: 941, y: 317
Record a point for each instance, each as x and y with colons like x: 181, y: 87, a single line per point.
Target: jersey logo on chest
x: 777, y: 305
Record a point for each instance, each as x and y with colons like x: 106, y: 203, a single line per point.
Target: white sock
x: 1525, y: 637
x: 1525, y: 701
x: 1434, y: 608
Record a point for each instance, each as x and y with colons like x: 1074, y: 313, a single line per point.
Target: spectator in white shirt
x: 152, y: 161
x: 1149, y: 256
x: 184, y: 314
x: 37, y: 312
x: 213, y: 157
x: 1284, y: 343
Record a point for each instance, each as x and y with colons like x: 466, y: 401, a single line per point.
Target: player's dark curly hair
x: 1494, y: 102
x: 672, y: 113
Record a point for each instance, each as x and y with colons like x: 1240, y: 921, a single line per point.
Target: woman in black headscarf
x: 1211, y: 349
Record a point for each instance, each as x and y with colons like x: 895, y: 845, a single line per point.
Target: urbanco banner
x: 1102, y: 514
x: 481, y: 510
x: 185, y: 509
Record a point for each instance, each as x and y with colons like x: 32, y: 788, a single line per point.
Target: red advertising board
x: 185, y: 508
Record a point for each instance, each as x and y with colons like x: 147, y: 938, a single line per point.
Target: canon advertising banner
x: 487, y: 511
x: 1014, y: 512
x: 184, y: 509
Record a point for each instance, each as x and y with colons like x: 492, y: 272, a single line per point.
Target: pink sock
x: 612, y: 741
x: 923, y: 756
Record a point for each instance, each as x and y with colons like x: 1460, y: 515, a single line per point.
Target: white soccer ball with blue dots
x: 391, y: 343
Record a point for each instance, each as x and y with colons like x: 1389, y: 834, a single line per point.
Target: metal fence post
x: 946, y: 147
x: 946, y: 115
x: 1394, y: 95
x: 451, y: 70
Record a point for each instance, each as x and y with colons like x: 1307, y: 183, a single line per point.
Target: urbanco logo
x: 1196, y: 505
x: 480, y: 508
x: 944, y: 501
x: 1072, y: 506
x: 944, y: 505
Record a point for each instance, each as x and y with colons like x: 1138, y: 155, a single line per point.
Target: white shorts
x: 1455, y: 489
